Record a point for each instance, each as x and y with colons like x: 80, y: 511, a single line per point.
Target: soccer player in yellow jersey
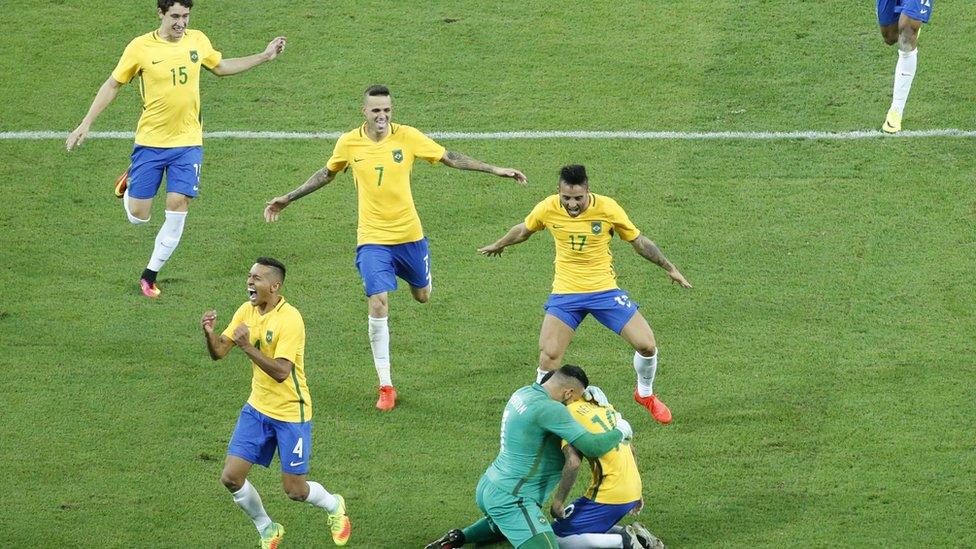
x: 390, y: 238
x: 615, y: 490
x: 169, y: 136
x: 278, y: 414
x: 582, y: 224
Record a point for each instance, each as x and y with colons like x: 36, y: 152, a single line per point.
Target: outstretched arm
x: 649, y: 251
x: 105, y: 95
x: 570, y: 471
x: 462, y: 162
x: 516, y: 235
x: 235, y: 65
x: 318, y: 180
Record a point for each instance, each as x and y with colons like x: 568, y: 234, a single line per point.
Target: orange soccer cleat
x: 121, y: 183
x: 659, y: 411
x: 149, y: 289
x: 387, y: 400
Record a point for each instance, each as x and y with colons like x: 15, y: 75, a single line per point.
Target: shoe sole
x: 121, y: 184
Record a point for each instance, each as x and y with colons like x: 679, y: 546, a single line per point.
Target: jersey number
x: 182, y: 74
x: 298, y: 448
x: 380, y: 180
x: 576, y: 242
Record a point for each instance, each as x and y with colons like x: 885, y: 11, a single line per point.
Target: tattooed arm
x: 463, y: 162
x: 649, y: 251
x: 318, y: 180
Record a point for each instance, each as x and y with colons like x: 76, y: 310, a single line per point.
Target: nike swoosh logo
x: 557, y: 226
x: 160, y: 61
x: 923, y: 12
x: 357, y: 159
x: 294, y: 464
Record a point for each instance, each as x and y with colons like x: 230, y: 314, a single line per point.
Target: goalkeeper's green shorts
x: 519, y: 519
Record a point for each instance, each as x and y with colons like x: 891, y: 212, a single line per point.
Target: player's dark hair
x: 575, y: 372
x: 376, y: 89
x: 165, y: 5
x: 273, y: 263
x: 574, y: 174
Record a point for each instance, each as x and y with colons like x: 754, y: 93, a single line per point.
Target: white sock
x: 125, y: 206
x: 591, y: 541
x: 250, y: 501
x: 904, y: 74
x: 646, y: 367
x: 539, y: 374
x: 167, y: 239
x: 379, y: 341
x: 320, y: 497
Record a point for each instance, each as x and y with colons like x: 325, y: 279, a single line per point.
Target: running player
x: 278, y: 414
x: 900, y: 22
x: 582, y: 224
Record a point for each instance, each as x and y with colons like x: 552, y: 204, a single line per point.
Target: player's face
x: 174, y: 21
x: 262, y: 285
x: 378, y: 110
x: 574, y: 198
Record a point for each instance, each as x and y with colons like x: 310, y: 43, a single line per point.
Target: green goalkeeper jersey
x: 530, y: 460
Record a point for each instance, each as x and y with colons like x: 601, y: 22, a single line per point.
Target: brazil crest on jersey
x: 615, y: 478
x: 381, y: 171
x: 279, y: 333
x: 530, y: 460
x: 169, y: 82
x: 583, y: 261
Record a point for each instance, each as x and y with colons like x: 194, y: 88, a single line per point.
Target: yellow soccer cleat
x: 339, y: 523
x: 272, y: 535
x: 892, y: 123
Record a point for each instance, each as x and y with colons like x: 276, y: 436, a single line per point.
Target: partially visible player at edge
x: 390, y: 238
x: 278, y: 413
x: 900, y: 22
x: 169, y: 136
x: 529, y: 464
x: 582, y: 225
x: 615, y: 490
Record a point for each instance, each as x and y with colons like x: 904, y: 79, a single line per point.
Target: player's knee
x: 907, y: 38
x: 230, y: 482
x: 549, y: 356
x: 422, y: 296
x: 890, y: 39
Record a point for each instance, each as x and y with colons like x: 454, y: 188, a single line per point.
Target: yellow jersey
x: 583, y: 260
x: 381, y: 173
x: 280, y: 333
x: 169, y: 83
x: 615, y: 475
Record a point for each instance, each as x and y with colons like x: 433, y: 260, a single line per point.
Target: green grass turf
x: 820, y: 372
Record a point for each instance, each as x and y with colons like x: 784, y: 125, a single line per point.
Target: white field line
x: 670, y: 136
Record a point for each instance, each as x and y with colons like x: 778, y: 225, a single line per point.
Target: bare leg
x: 554, y: 338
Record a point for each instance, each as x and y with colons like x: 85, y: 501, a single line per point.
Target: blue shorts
x: 380, y: 264
x: 180, y: 164
x: 889, y: 10
x: 256, y: 436
x: 590, y: 517
x: 612, y: 308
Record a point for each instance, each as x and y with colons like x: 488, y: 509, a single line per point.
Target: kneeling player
x: 278, y: 413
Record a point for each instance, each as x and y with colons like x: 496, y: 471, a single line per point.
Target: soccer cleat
x: 149, y: 289
x: 272, y: 535
x: 892, y: 123
x: 450, y: 540
x: 659, y: 411
x: 644, y: 536
x: 339, y: 523
x: 121, y: 183
x: 387, y: 400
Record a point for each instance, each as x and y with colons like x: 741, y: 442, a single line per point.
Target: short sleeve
x: 556, y: 419
x: 340, y: 156
x: 535, y: 221
x: 622, y: 224
x: 128, y: 65
x: 209, y: 57
x: 235, y: 321
x: 291, y: 340
x: 425, y: 147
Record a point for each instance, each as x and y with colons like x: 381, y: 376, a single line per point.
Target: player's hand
x: 77, y: 137
x: 676, y: 276
x: 275, y: 47
x: 491, y: 250
x: 636, y: 510
x: 624, y: 427
x: 595, y: 394
x: 273, y: 208
x: 242, y: 335
x: 208, y: 321
x: 518, y: 176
